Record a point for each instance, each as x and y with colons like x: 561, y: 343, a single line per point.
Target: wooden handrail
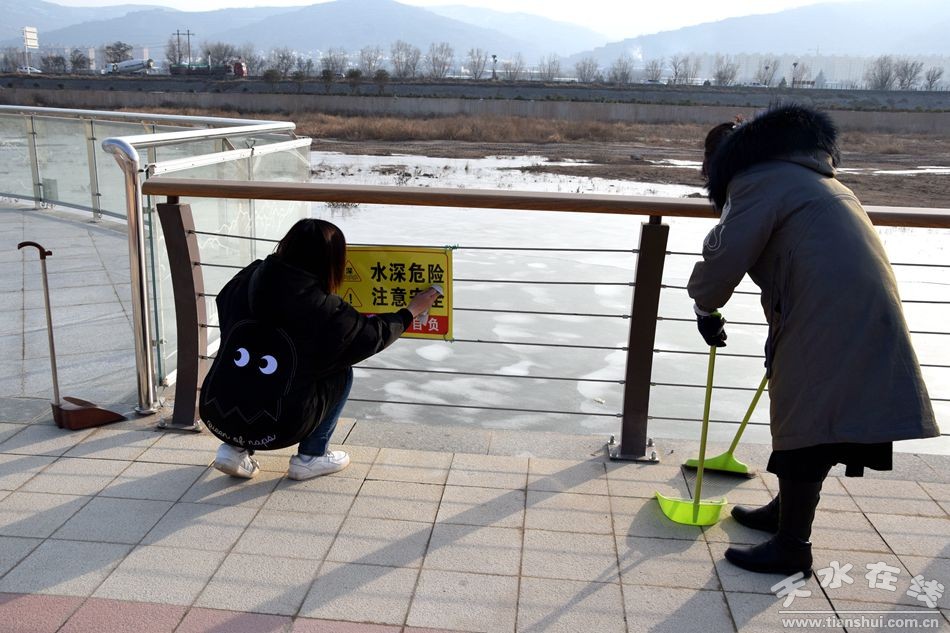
x: 917, y: 217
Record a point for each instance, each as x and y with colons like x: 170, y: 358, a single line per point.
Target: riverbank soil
x: 649, y: 162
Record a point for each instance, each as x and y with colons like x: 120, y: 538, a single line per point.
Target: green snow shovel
x: 726, y: 463
x: 695, y: 511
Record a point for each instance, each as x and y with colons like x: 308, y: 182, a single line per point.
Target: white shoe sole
x: 234, y: 470
x: 304, y: 474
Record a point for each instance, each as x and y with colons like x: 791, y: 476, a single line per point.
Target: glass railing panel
x: 62, y: 156
x: 16, y: 177
x: 111, y: 179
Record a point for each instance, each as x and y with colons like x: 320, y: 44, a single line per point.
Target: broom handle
x: 748, y: 414
x: 702, y: 439
x: 49, y: 314
x: 49, y: 331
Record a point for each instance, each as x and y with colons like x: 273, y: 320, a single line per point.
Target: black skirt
x: 812, y: 463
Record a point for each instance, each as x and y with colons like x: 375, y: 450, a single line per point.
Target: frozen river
x: 489, y: 249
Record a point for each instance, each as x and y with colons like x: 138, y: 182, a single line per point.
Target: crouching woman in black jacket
x: 283, y: 370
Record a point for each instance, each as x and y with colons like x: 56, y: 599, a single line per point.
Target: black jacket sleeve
x: 360, y: 336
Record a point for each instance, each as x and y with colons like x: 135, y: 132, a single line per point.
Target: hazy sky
x: 616, y: 19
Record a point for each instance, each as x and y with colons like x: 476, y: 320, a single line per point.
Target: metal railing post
x: 93, y: 170
x: 34, y: 162
x: 634, y: 443
x: 128, y: 159
x: 187, y: 278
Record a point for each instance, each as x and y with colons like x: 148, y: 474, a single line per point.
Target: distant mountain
x: 353, y: 24
x: 869, y: 28
x: 153, y: 27
x: 560, y: 37
x: 347, y: 24
x: 46, y: 16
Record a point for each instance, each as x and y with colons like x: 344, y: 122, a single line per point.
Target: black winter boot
x: 764, y: 518
x: 789, y: 551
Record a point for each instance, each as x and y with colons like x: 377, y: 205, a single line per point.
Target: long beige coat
x: 839, y: 355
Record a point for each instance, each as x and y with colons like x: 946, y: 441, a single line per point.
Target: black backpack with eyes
x: 258, y: 393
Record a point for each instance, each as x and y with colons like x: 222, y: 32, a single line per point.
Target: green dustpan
x: 726, y: 463
x: 688, y: 512
x: 695, y: 511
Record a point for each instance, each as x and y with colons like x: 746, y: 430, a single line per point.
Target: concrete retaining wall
x: 285, y: 105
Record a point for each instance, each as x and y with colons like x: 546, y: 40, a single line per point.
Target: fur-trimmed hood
x: 781, y: 132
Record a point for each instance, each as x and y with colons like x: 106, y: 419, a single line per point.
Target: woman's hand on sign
x: 421, y: 303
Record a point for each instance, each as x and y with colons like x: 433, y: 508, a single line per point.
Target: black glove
x: 712, y: 327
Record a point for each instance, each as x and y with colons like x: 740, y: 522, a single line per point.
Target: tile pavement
x: 125, y: 528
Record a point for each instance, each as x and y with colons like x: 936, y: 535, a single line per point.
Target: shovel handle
x: 748, y: 413
x: 43, y: 252
x: 702, y: 440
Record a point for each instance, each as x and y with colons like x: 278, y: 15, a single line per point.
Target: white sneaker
x: 235, y: 462
x: 310, y: 466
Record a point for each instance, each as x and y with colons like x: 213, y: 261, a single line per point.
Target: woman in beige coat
x: 844, y: 381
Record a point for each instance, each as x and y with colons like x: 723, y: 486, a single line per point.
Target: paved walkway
x: 431, y: 528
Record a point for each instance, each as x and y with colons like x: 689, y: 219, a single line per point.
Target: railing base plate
x: 168, y: 425
x: 615, y: 453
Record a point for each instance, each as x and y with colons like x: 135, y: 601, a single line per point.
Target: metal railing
x: 637, y: 381
x: 58, y: 176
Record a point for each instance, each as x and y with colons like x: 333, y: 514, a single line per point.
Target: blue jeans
x: 317, y: 442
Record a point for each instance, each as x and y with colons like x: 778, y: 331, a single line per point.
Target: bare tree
x: 549, y: 68
x: 304, y: 67
x: 381, y: 78
x: 282, y: 60
x: 353, y: 77
x: 477, y: 61
x: 405, y: 59
x: 653, y: 69
x: 932, y: 77
x: 439, y: 60
x: 78, y: 60
x: 621, y: 71
x: 371, y: 58
x: 513, y: 68
x: 765, y: 73
x: 880, y: 74
x: 725, y: 71
x: 174, y: 54
x: 334, y: 60
x: 691, y: 67
x: 679, y: 68
x: 118, y: 52
x: 9, y: 59
x: 586, y: 70
x: 327, y: 77
x: 907, y: 72
x: 256, y: 64
x: 53, y: 64
x: 219, y: 52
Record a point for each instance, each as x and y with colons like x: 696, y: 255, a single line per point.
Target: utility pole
x: 188, y: 35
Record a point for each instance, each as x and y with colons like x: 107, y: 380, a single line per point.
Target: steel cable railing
x: 501, y: 375
x: 534, y: 202
x: 516, y: 377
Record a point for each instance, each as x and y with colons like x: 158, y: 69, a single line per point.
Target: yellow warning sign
x: 381, y: 279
